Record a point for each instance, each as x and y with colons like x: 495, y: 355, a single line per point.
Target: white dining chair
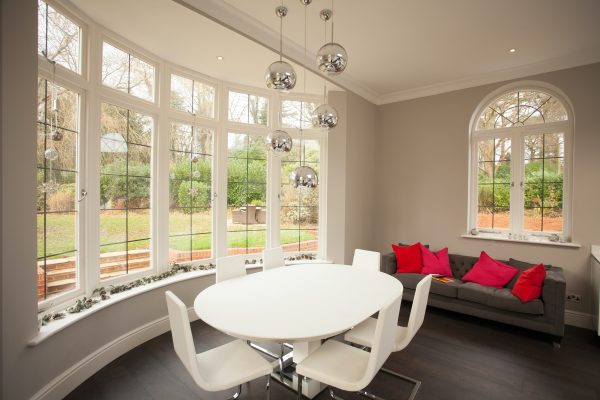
x: 273, y: 258
x: 364, y: 333
x: 368, y: 260
x: 230, y: 267
x: 217, y: 369
x: 349, y: 368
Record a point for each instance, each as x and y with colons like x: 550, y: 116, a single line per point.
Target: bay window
x: 179, y: 168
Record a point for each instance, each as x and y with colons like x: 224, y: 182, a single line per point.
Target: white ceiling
x: 182, y: 37
x: 397, y: 49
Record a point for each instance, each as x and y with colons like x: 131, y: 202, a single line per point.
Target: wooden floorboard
x: 455, y: 356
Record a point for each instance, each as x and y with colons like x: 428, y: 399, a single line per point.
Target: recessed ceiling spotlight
x: 513, y: 50
x: 220, y: 58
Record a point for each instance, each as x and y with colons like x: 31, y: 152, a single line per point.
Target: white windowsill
x: 56, y: 326
x: 531, y: 240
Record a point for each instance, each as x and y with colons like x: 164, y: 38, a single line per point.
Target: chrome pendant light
x: 332, y: 58
x: 279, y: 142
x: 325, y: 116
x: 304, y: 177
x: 280, y: 74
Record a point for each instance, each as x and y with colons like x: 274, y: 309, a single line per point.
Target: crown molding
x: 232, y: 18
x: 589, y: 56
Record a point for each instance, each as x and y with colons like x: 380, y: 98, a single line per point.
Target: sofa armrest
x: 388, y: 263
x: 553, y: 296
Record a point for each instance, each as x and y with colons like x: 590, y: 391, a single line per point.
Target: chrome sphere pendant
x: 332, y: 58
x: 279, y: 142
x: 56, y: 135
x: 304, y: 177
x: 280, y: 76
x: 325, y: 116
x: 51, y: 154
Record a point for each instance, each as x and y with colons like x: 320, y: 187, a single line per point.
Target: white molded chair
x: 221, y: 368
x: 369, y: 260
x: 273, y: 258
x: 349, y: 368
x: 364, y: 333
x: 230, y: 267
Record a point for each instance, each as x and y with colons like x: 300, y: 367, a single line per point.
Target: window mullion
x: 517, y: 187
x: 160, y: 173
x: 92, y: 173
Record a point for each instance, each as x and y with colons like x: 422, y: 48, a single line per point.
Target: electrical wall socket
x: 574, y: 297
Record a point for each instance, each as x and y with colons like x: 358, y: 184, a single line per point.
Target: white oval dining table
x: 300, y: 303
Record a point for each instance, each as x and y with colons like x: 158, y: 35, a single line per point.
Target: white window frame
x: 76, y: 82
x: 320, y: 135
x: 132, y: 50
x: 517, y: 135
x: 153, y: 192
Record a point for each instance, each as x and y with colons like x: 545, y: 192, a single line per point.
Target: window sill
x: 58, y: 325
x: 536, y: 241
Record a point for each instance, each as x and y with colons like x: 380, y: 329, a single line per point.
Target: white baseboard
x: 578, y: 319
x: 75, y: 375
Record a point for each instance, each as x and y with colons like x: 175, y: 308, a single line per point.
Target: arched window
x: 520, y: 164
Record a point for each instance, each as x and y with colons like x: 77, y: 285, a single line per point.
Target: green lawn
x: 61, y: 232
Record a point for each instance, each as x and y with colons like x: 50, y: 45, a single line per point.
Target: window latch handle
x: 83, y: 194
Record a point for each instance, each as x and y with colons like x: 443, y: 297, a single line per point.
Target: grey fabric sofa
x: 545, y: 315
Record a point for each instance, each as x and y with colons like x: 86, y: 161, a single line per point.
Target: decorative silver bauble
x: 304, y: 177
x: 279, y: 142
x: 195, y: 158
x: 325, y: 116
x: 56, y: 135
x: 280, y: 76
x: 196, y: 174
x: 51, y: 154
x: 305, y: 2
x: 332, y: 58
x: 50, y: 186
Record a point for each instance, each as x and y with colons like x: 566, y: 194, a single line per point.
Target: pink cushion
x: 436, y: 263
x: 529, y: 284
x: 490, y: 272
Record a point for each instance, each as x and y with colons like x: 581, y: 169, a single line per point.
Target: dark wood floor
x: 455, y: 356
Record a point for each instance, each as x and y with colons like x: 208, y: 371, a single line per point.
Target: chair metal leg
x: 236, y: 394
x: 262, y: 349
x: 299, y: 388
x: 268, y: 387
x: 333, y: 395
x: 415, y: 382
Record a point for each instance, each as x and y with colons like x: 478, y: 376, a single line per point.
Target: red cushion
x: 490, y: 272
x: 408, y: 258
x: 529, y: 285
x: 436, y: 263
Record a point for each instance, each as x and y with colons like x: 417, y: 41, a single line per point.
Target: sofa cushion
x: 522, y: 265
x: 436, y: 263
x: 447, y: 289
x: 408, y: 258
x: 498, y: 298
x: 460, y: 265
x: 529, y: 284
x: 490, y: 272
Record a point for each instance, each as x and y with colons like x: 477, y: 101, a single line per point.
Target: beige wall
x: 361, y: 152
x: 422, y: 169
x: 351, y: 179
